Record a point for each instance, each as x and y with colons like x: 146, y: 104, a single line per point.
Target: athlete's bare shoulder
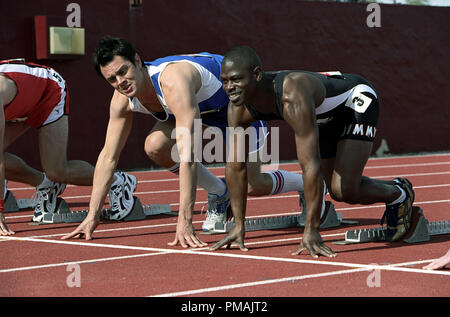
x: 181, y: 73
x: 296, y: 78
x: 303, y: 84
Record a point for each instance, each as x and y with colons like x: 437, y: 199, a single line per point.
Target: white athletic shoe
x: 217, y: 210
x: 45, y: 199
x: 121, y: 195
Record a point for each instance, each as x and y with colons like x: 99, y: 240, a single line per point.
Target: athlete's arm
x: 300, y: 96
x: 118, y: 130
x: 119, y: 127
x: 180, y: 82
x: 236, y: 174
x: 7, y: 93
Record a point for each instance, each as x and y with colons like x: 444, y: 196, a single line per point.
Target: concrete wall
x: 406, y: 59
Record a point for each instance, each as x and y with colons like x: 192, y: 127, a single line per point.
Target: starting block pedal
x: 158, y: 209
x: 10, y: 202
x: 266, y: 223
x: 13, y: 204
x: 63, y: 214
x: 136, y: 213
x: 329, y: 219
x: 420, y: 231
x: 26, y: 203
x: 419, y: 227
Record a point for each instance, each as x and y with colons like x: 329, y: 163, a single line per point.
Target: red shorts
x: 42, y: 96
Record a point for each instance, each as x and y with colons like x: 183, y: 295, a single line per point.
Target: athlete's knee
x: 157, y: 148
x: 259, y: 184
x: 347, y: 192
x: 58, y: 173
x: 254, y: 190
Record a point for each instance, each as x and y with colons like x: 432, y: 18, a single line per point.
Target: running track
x: 133, y: 259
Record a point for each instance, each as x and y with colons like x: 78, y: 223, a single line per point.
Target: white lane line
x: 408, y: 165
x: 91, y: 261
x: 272, y: 281
x: 201, y: 189
x: 293, y: 164
x: 256, y: 283
x: 230, y: 255
x: 167, y: 191
x: 248, y: 199
x: 384, y: 176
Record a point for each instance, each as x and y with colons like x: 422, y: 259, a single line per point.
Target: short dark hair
x: 244, y: 55
x: 108, y: 47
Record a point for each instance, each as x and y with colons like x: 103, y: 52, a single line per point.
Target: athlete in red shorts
x: 36, y: 96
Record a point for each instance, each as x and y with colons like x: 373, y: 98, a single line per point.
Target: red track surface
x: 133, y: 258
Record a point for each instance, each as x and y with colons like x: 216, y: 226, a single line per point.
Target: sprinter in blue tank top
x: 178, y: 91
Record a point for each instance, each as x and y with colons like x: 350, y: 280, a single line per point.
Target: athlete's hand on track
x: 234, y: 238
x: 312, y: 241
x: 439, y: 263
x: 84, y: 230
x: 186, y: 235
x: 4, y: 230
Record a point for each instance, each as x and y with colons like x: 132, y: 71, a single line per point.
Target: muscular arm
x: 301, y: 94
x: 236, y: 168
x: 299, y: 113
x: 236, y: 174
x: 119, y: 127
x: 180, y: 82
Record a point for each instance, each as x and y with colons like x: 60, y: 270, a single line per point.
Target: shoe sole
x: 37, y: 219
x: 59, y: 191
x: 133, y: 188
x: 210, y: 227
x: 228, y: 212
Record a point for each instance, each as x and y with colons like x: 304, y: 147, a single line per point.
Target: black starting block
x: 13, y: 204
x: 420, y: 231
x: 329, y: 219
x: 63, y: 214
x: 10, y: 202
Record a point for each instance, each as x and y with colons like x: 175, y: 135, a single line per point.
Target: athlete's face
x: 123, y: 75
x: 238, y: 82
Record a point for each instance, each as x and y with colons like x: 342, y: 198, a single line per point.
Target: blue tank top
x: 211, y: 98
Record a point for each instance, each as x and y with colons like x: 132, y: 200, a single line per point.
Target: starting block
x: 10, y: 202
x: 329, y: 219
x: 13, y: 204
x: 420, y: 231
x: 63, y: 214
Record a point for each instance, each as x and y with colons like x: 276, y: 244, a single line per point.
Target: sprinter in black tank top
x: 334, y: 118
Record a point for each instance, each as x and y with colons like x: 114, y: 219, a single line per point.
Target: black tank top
x: 336, y: 85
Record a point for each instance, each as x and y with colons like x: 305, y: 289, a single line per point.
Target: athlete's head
x: 245, y: 56
x: 117, y: 61
x: 241, y: 71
